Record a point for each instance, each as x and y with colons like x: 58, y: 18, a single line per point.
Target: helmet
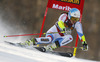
x: 74, y: 14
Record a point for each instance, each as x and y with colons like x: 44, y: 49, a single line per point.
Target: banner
x: 66, y: 5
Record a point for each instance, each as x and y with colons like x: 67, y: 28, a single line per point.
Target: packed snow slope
x: 9, y: 53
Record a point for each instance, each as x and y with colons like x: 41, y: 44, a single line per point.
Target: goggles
x: 74, y: 19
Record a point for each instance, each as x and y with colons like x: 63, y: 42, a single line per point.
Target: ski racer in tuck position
x: 65, y: 24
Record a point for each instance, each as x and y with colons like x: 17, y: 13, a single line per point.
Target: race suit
x: 62, y: 38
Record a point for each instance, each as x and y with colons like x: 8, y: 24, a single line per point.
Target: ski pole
x: 33, y: 34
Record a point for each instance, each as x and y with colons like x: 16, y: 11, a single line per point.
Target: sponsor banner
x: 66, y: 5
x: 70, y: 1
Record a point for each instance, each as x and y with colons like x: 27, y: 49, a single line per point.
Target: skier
x: 65, y: 24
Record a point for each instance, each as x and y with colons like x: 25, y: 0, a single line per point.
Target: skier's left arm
x: 79, y: 30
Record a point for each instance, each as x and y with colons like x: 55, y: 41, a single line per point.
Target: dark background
x: 26, y: 16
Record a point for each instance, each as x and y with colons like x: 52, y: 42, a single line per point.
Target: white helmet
x: 74, y: 12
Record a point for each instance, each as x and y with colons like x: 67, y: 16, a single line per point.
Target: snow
x: 9, y: 53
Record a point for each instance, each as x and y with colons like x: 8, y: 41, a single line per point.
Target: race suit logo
x: 71, y: 1
x: 56, y: 6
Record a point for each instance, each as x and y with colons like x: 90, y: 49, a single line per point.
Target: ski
x: 14, y: 44
x: 42, y: 49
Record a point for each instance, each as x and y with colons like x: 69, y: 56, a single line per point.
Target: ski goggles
x: 74, y: 19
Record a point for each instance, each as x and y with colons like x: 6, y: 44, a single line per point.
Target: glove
x: 85, y: 46
x: 67, y: 31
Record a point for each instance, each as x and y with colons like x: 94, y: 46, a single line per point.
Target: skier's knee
x: 42, y: 40
x: 50, y: 36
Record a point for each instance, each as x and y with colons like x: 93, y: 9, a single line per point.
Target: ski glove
x: 67, y: 31
x: 85, y: 46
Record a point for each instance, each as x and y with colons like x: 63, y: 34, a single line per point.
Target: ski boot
x: 29, y: 42
x: 50, y: 47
